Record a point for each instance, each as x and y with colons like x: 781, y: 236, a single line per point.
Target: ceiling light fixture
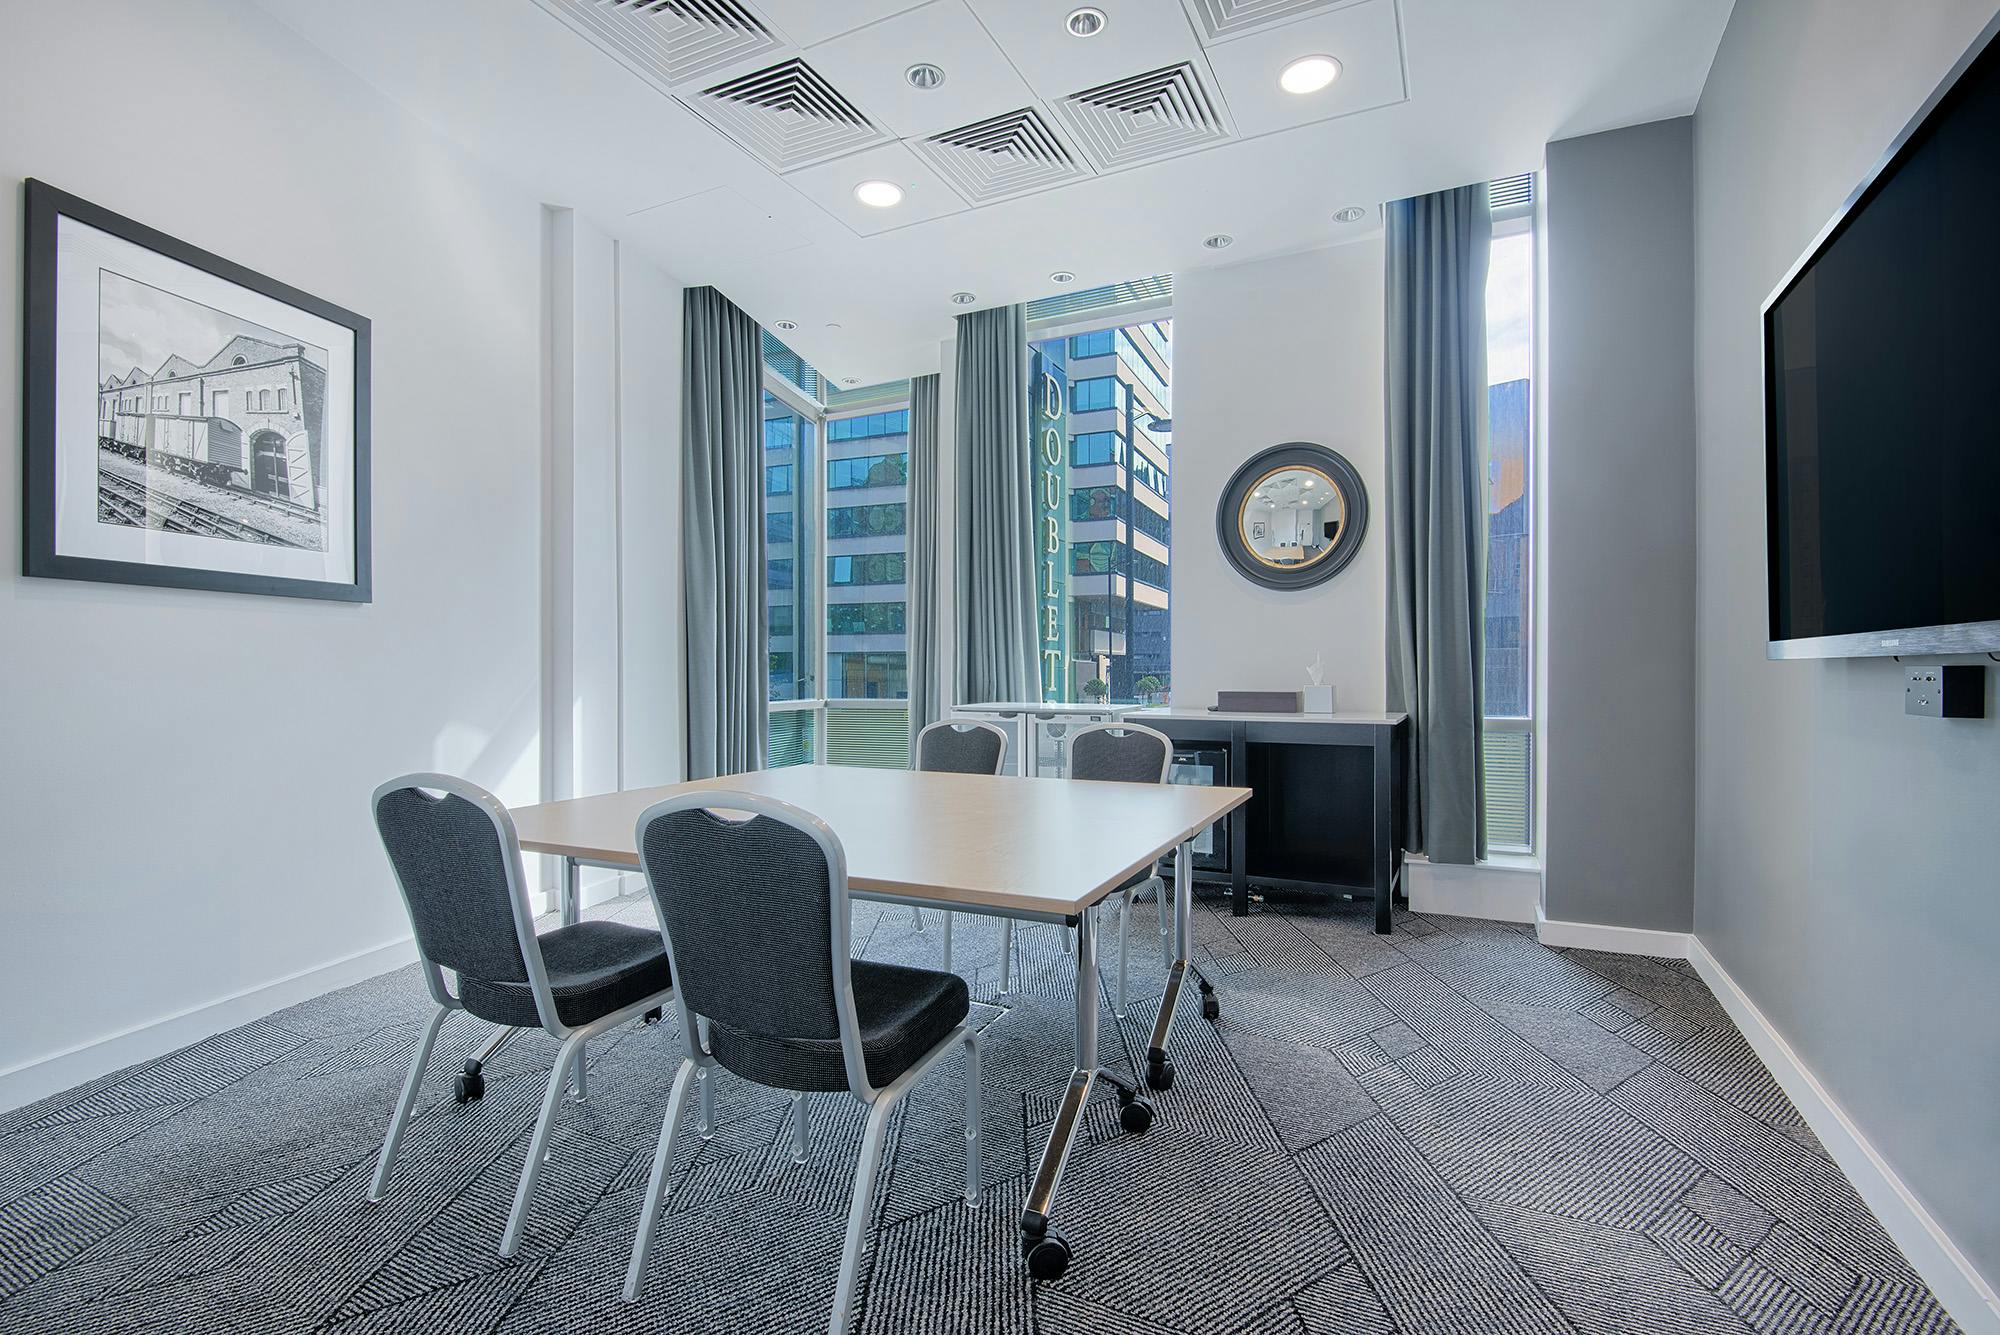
x: 924, y: 76
x: 962, y: 298
x: 879, y: 194
x: 1062, y: 276
x: 850, y: 380
x: 1350, y: 214
x: 1309, y: 74
x: 1085, y: 22
x: 1219, y: 241
x: 786, y: 326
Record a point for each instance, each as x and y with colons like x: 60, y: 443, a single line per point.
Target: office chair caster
x: 1048, y: 1255
x: 1211, y: 1009
x: 1134, y: 1113
x: 468, y: 1084
x: 1159, y: 1073
x: 652, y: 1016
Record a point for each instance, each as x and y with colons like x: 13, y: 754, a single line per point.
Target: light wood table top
x: 1040, y: 846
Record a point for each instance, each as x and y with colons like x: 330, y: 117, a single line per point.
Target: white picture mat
x: 81, y: 251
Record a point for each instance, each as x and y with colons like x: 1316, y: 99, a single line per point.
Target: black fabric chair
x: 756, y: 918
x: 458, y: 861
x: 1116, y: 753
x: 958, y: 747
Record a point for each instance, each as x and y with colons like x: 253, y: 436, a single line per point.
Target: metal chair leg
x: 917, y: 917
x: 538, y: 1145
x: 1124, y: 950
x: 579, y: 1087
x: 865, y: 1173
x: 947, y: 940
x: 705, y: 1079
x: 656, y: 1185
x: 401, y: 1117
x: 1006, y: 953
x: 801, y: 1129
x: 973, y: 1131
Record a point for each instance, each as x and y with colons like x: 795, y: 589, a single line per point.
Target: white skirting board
x: 1493, y: 890
x: 58, y: 1071
x: 1616, y: 940
x: 1962, y: 1290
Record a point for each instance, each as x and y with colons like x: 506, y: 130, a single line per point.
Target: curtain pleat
x: 995, y: 582
x: 1438, y: 250
x: 926, y: 691
x: 722, y: 513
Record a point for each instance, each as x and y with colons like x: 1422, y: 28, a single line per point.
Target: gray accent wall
x: 1848, y: 873
x: 1620, y: 529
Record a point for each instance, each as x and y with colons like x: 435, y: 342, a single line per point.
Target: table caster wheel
x: 1159, y: 1073
x: 1048, y: 1256
x: 651, y: 1017
x: 468, y: 1084
x: 1135, y: 1115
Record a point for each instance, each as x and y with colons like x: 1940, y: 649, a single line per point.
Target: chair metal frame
x: 1155, y: 883
x: 881, y: 1102
x: 917, y: 763
x: 569, y: 1057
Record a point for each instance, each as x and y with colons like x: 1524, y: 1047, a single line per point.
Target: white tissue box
x: 1316, y: 699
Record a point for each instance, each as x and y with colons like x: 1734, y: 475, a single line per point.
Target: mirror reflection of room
x: 1292, y: 517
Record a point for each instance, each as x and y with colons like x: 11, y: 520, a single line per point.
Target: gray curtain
x: 995, y: 585
x: 926, y: 691
x: 722, y: 528
x: 1436, y: 390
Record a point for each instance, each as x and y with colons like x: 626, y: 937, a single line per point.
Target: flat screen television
x: 1882, y: 398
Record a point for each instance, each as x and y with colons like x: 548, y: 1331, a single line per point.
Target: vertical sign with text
x: 1048, y: 421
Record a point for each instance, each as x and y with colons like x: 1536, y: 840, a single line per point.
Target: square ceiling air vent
x: 1017, y: 153
x: 787, y: 116
x: 669, y: 42
x: 1219, y: 20
x: 1154, y: 115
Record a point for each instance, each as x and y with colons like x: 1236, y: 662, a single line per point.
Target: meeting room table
x: 1032, y: 849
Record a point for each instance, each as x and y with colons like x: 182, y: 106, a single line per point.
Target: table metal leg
x: 1160, y: 1067
x: 1047, y: 1251
x: 572, y: 892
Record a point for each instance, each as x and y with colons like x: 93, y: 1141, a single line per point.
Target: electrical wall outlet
x: 1957, y: 691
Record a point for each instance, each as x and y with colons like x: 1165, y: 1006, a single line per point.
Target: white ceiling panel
x: 671, y: 42
x: 831, y: 186
x: 1365, y: 38
x: 809, y: 21
x: 1138, y: 35
x: 720, y: 218
x: 1221, y: 20
x: 978, y: 81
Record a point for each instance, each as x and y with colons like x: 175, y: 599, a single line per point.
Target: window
x: 868, y: 676
x: 1103, y: 608
x: 788, y: 549
x: 869, y: 426
x: 1087, y: 396
x: 867, y: 568
x: 866, y: 521
x: 281, y: 400
x: 869, y: 470
x: 263, y: 400
x: 865, y: 618
x: 1509, y: 613
x: 218, y: 403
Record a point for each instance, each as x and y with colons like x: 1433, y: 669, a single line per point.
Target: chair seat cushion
x: 903, y: 1014
x: 594, y: 968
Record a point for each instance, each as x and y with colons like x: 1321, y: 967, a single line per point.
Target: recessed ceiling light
x: 786, y: 326
x: 1309, y: 74
x: 1219, y: 241
x: 879, y: 194
x: 1062, y: 276
x: 1350, y: 214
x: 831, y: 325
x: 1085, y: 22
x: 962, y: 298
x: 924, y: 76
x: 850, y: 380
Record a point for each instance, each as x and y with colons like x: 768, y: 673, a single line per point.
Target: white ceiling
x: 613, y: 121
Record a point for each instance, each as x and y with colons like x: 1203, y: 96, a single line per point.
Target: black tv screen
x: 1882, y: 401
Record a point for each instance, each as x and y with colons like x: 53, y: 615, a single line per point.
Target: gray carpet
x: 1447, y: 1130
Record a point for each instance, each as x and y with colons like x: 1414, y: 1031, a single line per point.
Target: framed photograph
x: 187, y: 422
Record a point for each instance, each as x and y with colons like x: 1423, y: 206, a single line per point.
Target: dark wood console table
x: 1328, y: 814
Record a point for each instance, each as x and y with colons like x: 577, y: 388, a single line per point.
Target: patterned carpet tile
x: 1449, y: 1129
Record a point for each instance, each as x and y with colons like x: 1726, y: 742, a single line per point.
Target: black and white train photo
x: 207, y: 423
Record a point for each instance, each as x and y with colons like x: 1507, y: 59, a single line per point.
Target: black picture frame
x: 44, y: 205
x: 1293, y: 454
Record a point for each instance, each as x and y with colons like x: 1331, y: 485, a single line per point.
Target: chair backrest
x: 959, y: 747
x: 1120, y: 753
x: 756, y: 916
x: 458, y: 862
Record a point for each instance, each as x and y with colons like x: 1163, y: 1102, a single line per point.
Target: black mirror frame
x: 1293, y: 454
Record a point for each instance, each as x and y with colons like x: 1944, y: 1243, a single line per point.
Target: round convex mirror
x: 1292, y: 517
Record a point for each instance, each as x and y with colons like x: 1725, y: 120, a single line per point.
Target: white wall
x: 1267, y: 352
x: 1846, y: 862
x: 197, y: 850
